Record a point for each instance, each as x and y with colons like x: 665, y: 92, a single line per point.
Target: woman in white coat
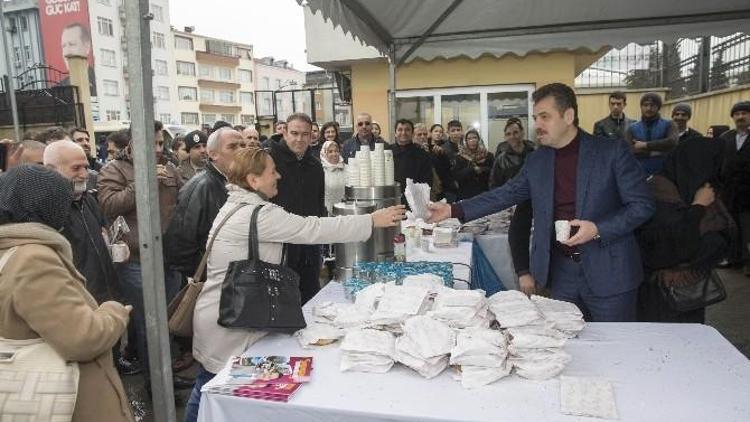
x: 335, y: 177
x: 252, y: 180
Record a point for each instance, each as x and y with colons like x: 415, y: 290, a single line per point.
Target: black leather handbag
x: 256, y: 295
x: 705, y: 291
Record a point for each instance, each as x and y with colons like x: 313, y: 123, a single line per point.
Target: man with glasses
x: 364, y: 136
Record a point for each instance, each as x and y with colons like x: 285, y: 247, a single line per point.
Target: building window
x: 17, y: 54
x: 183, y: 43
x: 111, y: 87
x: 266, y: 83
x: 189, y: 118
x: 247, y: 119
x: 158, y: 40
x: 161, y: 67
x: 158, y: 12
x: 104, y: 2
x: 113, y: 115
x: 205, y: 71
x: 229, y: 118
x: 187, y: 93
x: 246, y: 76
x: 209, y: 118
x: 107, y: 57
x: 23, y: 22
x: 246, y: 98
x: 207, y: 95
x: 162, y: 93
x: 165, y: 117
x: 225, y: 74
x: 27, y: 51
x: 278, y: 83
x: 226, y: 97
x: 186, y: 68
x: 105, y: 26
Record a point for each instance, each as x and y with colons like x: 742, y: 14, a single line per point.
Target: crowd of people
x: 649, y: 200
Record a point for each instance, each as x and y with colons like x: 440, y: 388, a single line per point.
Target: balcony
x: 210, y: 82
x: 219, y: 107
x: 215, y: 58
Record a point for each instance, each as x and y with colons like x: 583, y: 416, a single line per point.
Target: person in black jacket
x: 473, y: 166
x: 198, y: 202
x: 442, y: 163
x: 302, y: 192
x: 410, y: 161
x: 681, y: 114
x: 85, y: 225
x: 511, y: 154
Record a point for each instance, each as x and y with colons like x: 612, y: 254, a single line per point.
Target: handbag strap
x: 204, y: 260
x: 253, y: 249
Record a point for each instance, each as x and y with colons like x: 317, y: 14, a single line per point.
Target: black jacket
x: 412, y: 162
x: 197, y: 205
x: 612, y: 128
x: 508, y: 162
x: 90, y: 253
x: 442, y: 164
x: 735, y: 172
x: 471, y: 183
x: 302, y: 192
x: 689, y: 133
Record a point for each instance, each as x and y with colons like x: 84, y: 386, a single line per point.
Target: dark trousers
x: 742, y: 254
x: 305, y: 260
x: 193, y: 404
x: 132, y: 290
x: 568, y: 282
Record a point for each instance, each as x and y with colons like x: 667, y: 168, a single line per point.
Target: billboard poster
x: 66, y: 30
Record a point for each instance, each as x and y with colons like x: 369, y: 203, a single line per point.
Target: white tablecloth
x: 660, y: 372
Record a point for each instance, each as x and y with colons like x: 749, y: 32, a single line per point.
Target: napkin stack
x: 514, y: 309
x: 563, y: 316
x: 367, y: 350
x: 480, y: 354
x: 461, y: 308
x: 397, y: 304
x: 425, y: 345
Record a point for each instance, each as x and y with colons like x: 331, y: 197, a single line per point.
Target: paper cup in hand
x: 120, y: 252
x: 562, y: 230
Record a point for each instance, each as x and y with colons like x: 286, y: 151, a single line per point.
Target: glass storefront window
x: 416, y: 109
x: 501, y: 106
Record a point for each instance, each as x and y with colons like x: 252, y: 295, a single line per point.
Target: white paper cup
x: 120, y: 252
x: 562, y: 230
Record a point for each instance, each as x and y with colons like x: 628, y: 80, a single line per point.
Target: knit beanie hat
x: 740, y: 106
x: 683, y: 107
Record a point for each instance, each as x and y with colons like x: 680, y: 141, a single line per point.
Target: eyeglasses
x: 364, y: 123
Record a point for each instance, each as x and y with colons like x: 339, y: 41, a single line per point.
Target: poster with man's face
x: 66, y: 30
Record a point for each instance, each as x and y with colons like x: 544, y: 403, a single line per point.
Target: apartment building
x: 110, y: 49
x: 214, y: 80
x: 279, y: 75
x: 22, y: 24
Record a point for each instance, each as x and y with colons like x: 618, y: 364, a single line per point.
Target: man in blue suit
x: 598, y: 186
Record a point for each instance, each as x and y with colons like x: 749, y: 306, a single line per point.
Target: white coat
x: 213, y: 344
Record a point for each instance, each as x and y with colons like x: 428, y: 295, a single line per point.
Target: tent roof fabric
x: 471, y: 28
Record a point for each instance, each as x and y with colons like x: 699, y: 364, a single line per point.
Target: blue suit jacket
x: 611, y: 191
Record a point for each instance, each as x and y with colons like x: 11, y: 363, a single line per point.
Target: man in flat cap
x: 652, y: 137
x: 735, y: 174
x: 195, y: 144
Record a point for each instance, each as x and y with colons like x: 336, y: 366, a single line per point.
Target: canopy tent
x: 404, y: 30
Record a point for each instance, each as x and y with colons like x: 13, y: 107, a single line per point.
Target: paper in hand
x: 418, y: 196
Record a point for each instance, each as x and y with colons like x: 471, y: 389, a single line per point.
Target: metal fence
x: 689, y: 66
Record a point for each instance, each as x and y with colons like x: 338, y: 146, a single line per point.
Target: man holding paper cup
x: 588, y: 195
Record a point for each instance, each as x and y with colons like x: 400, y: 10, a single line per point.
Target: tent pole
x: 391, y: 87
x: 138, y: 33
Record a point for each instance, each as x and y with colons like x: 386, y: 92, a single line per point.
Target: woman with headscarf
x: 691, y: 231
x: 473, y: 165
x: 42, y: 295
x: 335, y: 177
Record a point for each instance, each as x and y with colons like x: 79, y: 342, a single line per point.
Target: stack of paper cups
x: 363, y: 160
x: 377, y: 164
x: 389, y: 169
x: 352, y: 173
